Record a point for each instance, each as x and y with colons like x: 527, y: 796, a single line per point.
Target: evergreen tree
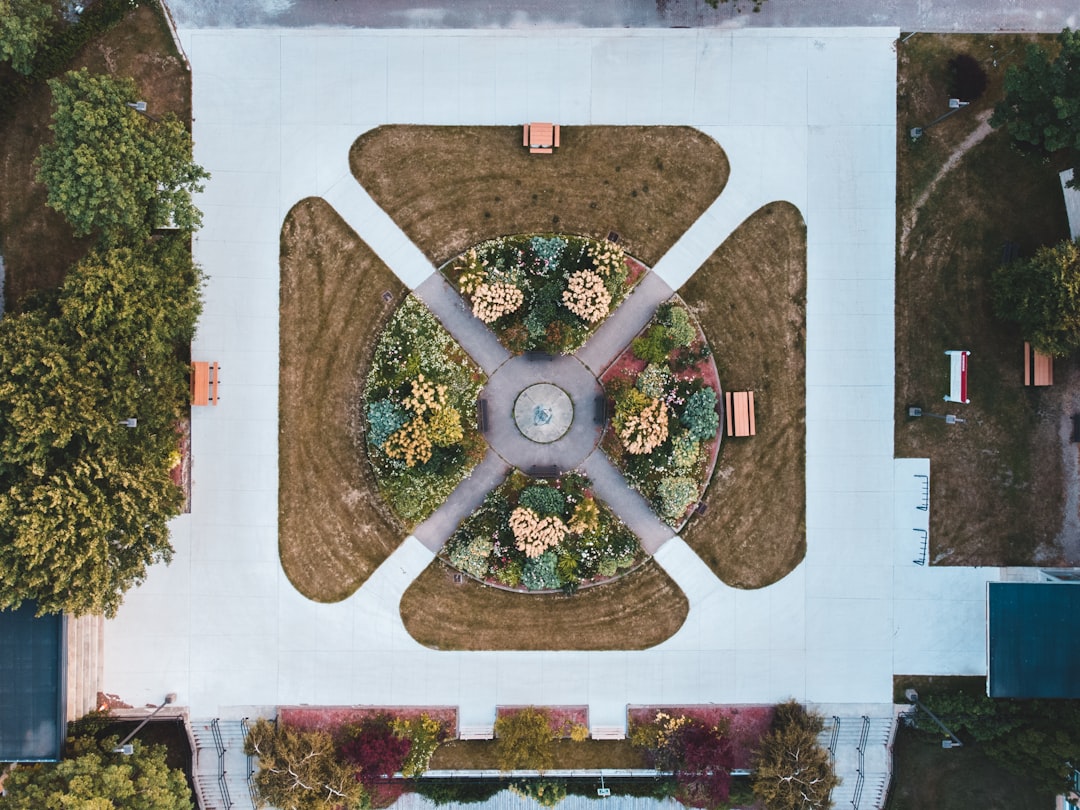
x: 24, y: 26
x: 85, y: 500
x: 93, y: 776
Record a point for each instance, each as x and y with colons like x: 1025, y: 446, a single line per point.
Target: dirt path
x: 978, y: 134
x: 1067, y: 543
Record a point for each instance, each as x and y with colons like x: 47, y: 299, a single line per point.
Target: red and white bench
x: 958, y: 376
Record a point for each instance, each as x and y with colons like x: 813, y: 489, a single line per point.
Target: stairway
x: 85, y: 659
x: 862, y: 758
x: 221, y: 766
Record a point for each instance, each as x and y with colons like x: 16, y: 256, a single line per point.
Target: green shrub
x: 654, y: 346
x: 544, y: 500
x: 471, y: 556
x: 680, y: 330
x: 453, y: 791
x: 675, y: 493
x: 541, y: 573
x: 384, y: 418
x: 653, y: 380
x: 567, y: 568
x: 545, y: 792
x: 510, y: 574
x: 685, y: 451
x: 700, y: 415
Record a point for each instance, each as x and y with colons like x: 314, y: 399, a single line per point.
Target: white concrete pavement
x: 806, y: 116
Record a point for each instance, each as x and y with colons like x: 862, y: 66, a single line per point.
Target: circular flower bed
x: 543, y: 293
x: 420, y: 408
x: 543, y: 536
x: 665, y: 428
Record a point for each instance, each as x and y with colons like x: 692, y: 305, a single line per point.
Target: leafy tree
x: 301, y: 770
x: 793, y: 771
x: 85, y: 500
x: 111, y: 170
x: 92, y: 776
x: 376, y: 750
x: 1032, y: 738
x: 523, y: 740
x: 24, y: 26
x: 1042, y: 295
x: 1041, y: 108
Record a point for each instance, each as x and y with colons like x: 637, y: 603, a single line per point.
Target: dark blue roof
x: 1031, y: 637
x: 32, y: 690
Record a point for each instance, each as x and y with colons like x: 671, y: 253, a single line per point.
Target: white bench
x: 958, y: 376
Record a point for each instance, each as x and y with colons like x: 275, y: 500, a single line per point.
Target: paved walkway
x: 275, y: 114
x: 508, y: 376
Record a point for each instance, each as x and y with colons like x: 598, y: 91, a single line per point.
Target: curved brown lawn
x: 333, y: 527
x: 640, y: 610
x: 451, y: 187
x: 750, y: 297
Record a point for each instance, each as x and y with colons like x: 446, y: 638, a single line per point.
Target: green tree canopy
x: 1031, y: 738
x: 1041, y: 108
x: 111, y: 170
x: 84, y: 500
x: 24, y: 26
x: 523, y: 740
x: 1042, y: 295
x: 92, y: 776
x: 301, y: 770
x: 793, y: 771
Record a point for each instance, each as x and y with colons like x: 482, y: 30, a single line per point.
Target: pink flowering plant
x: 544, y: 292
x: 543, y: 536
x: 666, y: 413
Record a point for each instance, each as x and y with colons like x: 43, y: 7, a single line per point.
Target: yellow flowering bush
x: 444, y: 426
x: 425, y: 396
x: 607, y: 257
x: 533, y: 535
x: 586, y: 516
x: 586, y: 296
x: 492, y: 300
x: 643, y: 432
x: 410, y: 443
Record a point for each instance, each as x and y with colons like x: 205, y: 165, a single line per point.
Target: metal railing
x: 924, y: 546
x: 925, y: 505
x: 219, y: 744
x: 246, y: 726
x: 835, y: 735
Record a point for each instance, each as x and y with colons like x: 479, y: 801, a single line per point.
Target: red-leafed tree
x: 375, y: 750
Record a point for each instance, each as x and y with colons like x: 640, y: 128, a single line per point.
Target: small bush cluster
x: 541, y: 293
x: 542, y: 536
x: 698, y: 754
x: 665, y: 416
x: 420, y: 396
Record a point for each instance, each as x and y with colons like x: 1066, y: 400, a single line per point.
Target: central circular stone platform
x: 543, y: 413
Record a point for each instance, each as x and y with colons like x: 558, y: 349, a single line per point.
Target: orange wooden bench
x: 204, y: 383
x: 541, y: 138
x: 1038, y: 368
x: 740, y: 413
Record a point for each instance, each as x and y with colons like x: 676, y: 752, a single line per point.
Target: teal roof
x: 1031, y: 640
x: 32, y: 691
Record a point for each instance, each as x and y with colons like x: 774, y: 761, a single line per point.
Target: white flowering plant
x: 542, y: 292
x: 543, y: 535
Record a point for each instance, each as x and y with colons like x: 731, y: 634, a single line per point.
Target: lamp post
x: 140, y: 108
x: 123, y: 746
x: 952, y: 742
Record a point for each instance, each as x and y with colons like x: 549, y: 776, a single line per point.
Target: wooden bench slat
x: 753, y: 428
x: 1027, y: 363
x: 200, y: 383
x: 727, y: 411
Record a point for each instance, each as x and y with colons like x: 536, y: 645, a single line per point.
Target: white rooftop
x: 806, y: 116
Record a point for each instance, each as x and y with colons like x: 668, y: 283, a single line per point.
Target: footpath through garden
x: 508, y: 376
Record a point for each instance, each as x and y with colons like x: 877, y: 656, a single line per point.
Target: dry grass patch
x: 334, y: 528
x: 462, y: 755
x: 750, y: 297
x: 36, y: 242
x: 451, y: 187
x: 1001, y: 473
x: 637, y: 611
